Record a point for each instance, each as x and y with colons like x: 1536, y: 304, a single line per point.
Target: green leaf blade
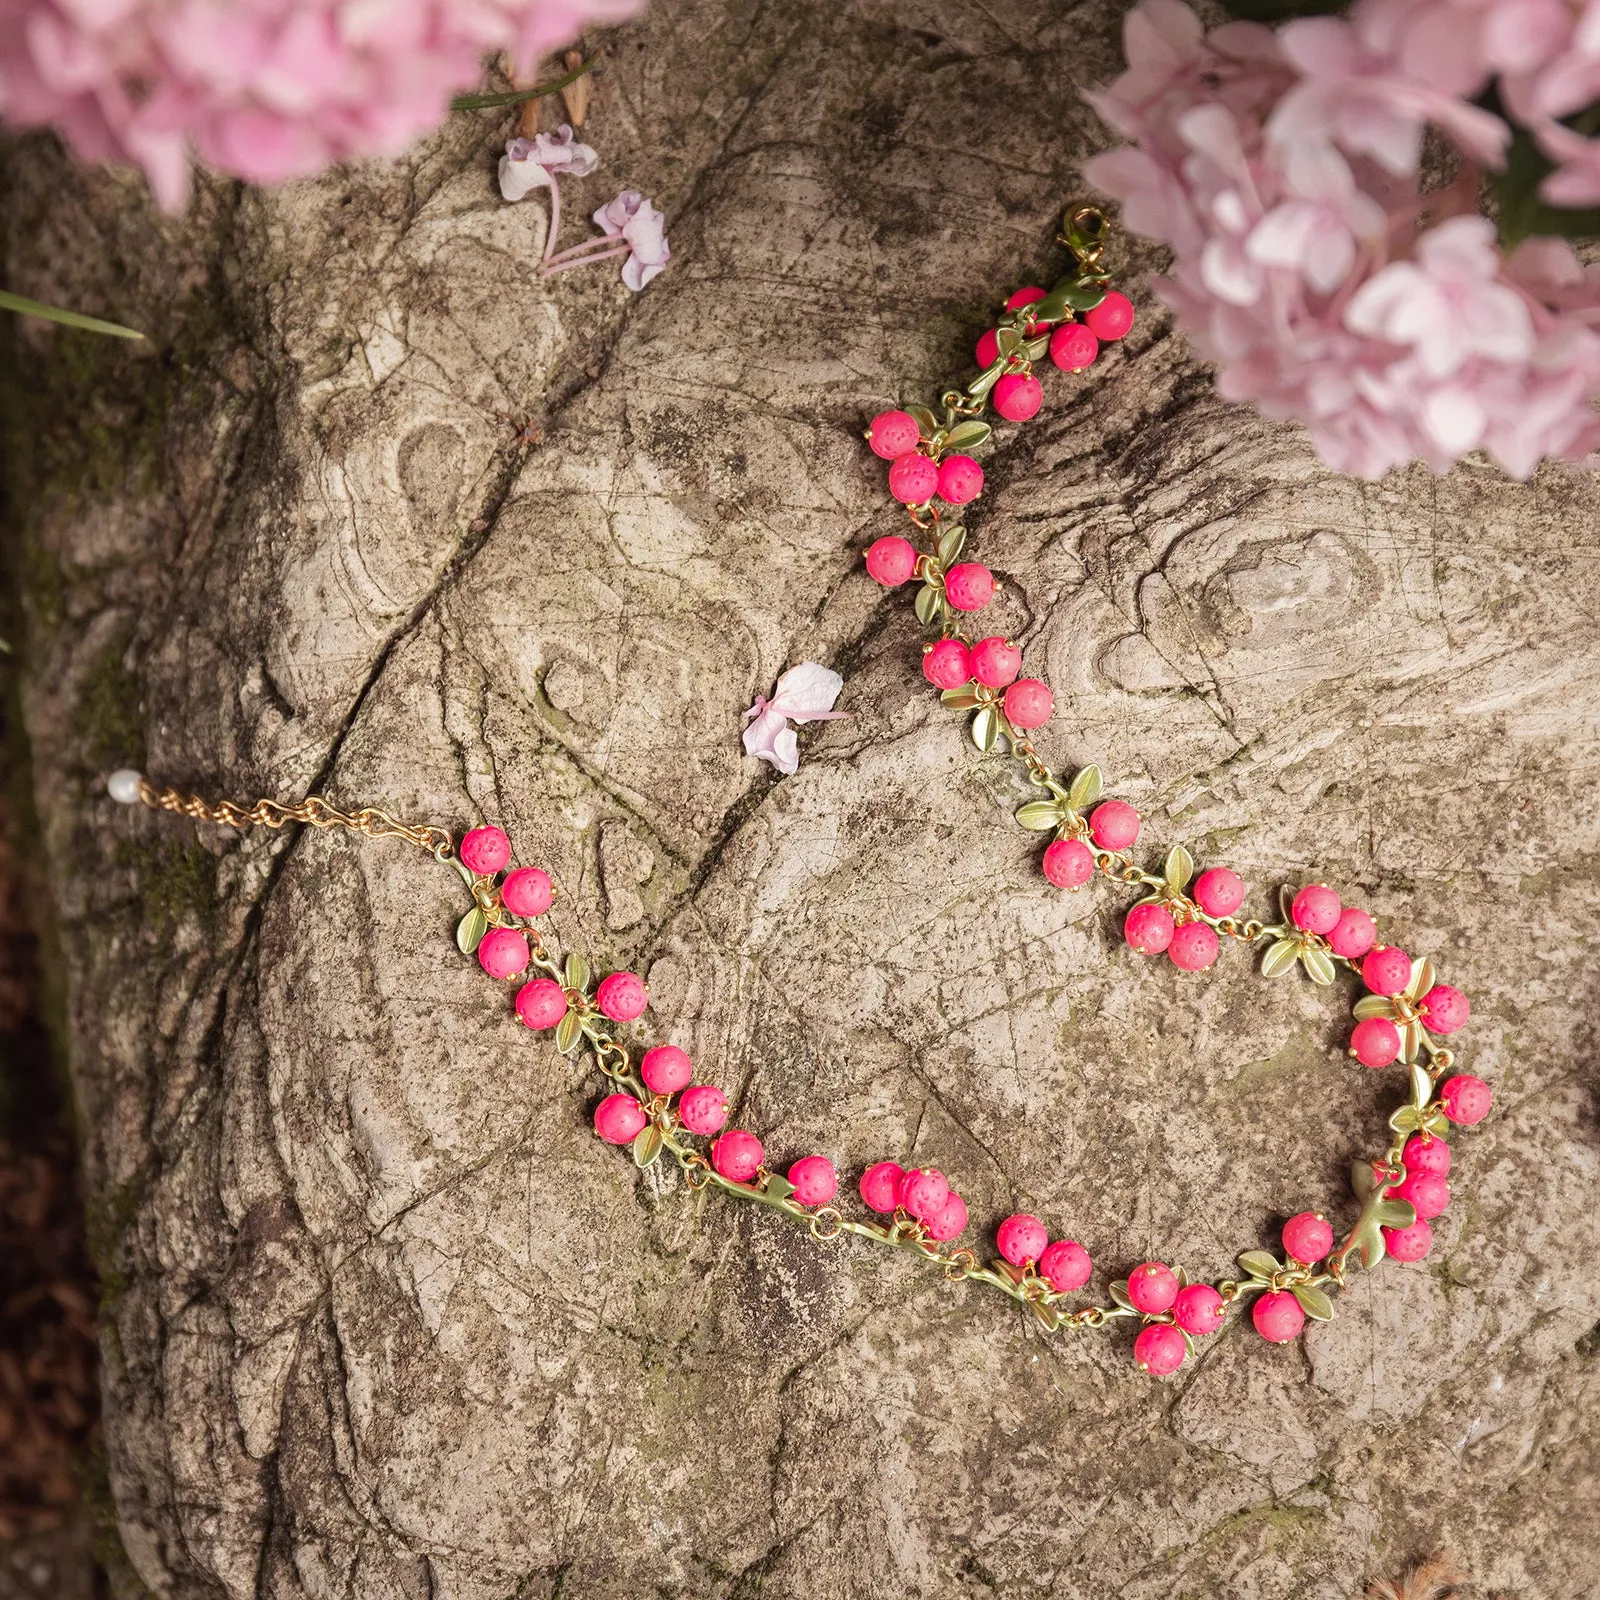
x: 21, y: 304
x: 470, y: 931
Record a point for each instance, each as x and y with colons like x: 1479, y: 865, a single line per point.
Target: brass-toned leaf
x: 1422, y: 978
x: 969, y: 435
x: 1373, y: 1005
x: 470, y: 930
x: 927, y: 605
x: 1421, y: 1086
x: 568, y: 1030
x: 464, y: 870
x: 1313, y: 1302
x: 1179, y: 868
x: 927, y: 423
x: 986, y: 729
x: 1082, y: 294
x: 1280, y: 958
x: 1286, y: 904
x: 1405, y: 1120
x: 1035, y: 349
x: 777, y: 1187
x: 1039, y: 816
x: 1260, y: 1263
x: 987, y: 379
x: 959, y: 699
x: 951, y: 543
x: 1363, y: 1179
x: 577, y: 972
x: 1009, y: 341
x: 1049, y: 1318
x: 646, y: 1145
x: 1369, y: 1243
x: 1318, y: 964
x: 1084, y: 789
x: 1438, y: 1124
x: 1393, y: 1213
x: 1410, y: 1041
x: 1006, y: 1270
x: 1119, y: 1293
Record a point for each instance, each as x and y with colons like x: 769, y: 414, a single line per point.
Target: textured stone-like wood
x: 382, y: 1319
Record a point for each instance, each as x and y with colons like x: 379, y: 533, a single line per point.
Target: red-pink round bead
x: 1024, y: 297
x: 621, y: 996
x: 1160, y: 1349
x: 527, y: 892
x: 703, y: 1109
x: 995, y: 661
x: 1426, y: 1153
x: 665, y: 1069
x: 1065, y: 1265
x: 880, y: 1186
x: 1199, y: 1309
x: 484, y: 851
x: 1112, y: 318
x: 1409, y: 1244
x: 1021, y: 1238
x: 891, y: 560
x: 893, y: 434
x: 1219, y: 892
x: 913, y: 479
x: 1018, y: 396
x: 1465, y: 1099
x: 1316, y: 908
x: 960, y: 480
x: 737, y: 1155
x: 1028, y: 704
x: 1114, y: 825
x: 1149, y: 929
x: 1193, y: 947
x: 1386, y: 970
x: 503, y: 952
x: 951, y: 1220
x: 1073, y: 347
x: 1352, y: 936
x: 1152, y: 1287
x: 1307, y: 1237
x: 1444, y: 1009
x: 619, y: 1119
x: 969, y: 586
x: 1068, y: 863
x: 1278, y: 1316
x: 815, y: 1182
x: 923, y: 1192
x: 541, y: 1003
x: 1375, y: 1042
x: 1427, y: 1192
x: 988, y: 348
x: 947, y: 664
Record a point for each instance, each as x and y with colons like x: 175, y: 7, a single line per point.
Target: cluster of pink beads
x: 923, y: 1193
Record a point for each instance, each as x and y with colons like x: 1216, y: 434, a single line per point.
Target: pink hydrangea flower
x: 530, y: 164
x: 263, y: 89
x: 805, y: 694
x: 633, y: 220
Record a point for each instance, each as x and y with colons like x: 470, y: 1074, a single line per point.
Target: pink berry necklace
x: 654, y: 1108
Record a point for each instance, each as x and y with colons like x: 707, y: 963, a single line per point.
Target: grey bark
x: 381, y: 1317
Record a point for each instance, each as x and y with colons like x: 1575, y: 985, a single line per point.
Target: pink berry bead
x: 1018, y: 396
x: 503, y: 952
x: 1069, y: 863
x: 1159, y: 1349
x: 485, y: 850
x: 621, y: 996
x: 1466, y: 1099
x: 1199, y: 1309
x: 527, y: 892
x: 1149, y: 929
x: 703, y: 1109
x: 891, y: 560
x: 892, y: 434
x: 1073, y: 347
x: 1430, y: 1195
x: 969, y: 586
x: 880, y: 1186
x: 1444, y: 1009
x: 1112, y: 318
x: 1425, y: 1153
x: 995, y: 661
x: 1024, y: 297
x: 542, y: 1003
x: 665, y: 1069
x: 1278, y: 1316
x: 1065, y: 1265
x: 1316, y: 909
x: 1114, y: 825
x: 1219, y: 892
x: 1353, y: 934
x: 1375, y: 1042
x: 951, y: 1220
x: 1028, y: 704
x: 923, y: 1192
x: 960, y: 480
x: 737, y: 1155
x: 619, y: 1119
x: 1387, y: 969
x: 815, y: 1182
x: 1307, y: 1237
x: 1021, y: 1238
x: 1409, y: 1244
x: 1193, y: 947
x: 947, y: 664
x: 988, y: 349
x: 1152, y: 1287
x: 913, y: 479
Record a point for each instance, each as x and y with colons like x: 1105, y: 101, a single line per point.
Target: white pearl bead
x: 123, y: 786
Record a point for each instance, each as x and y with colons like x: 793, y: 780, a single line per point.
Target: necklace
x: 653, y: 1107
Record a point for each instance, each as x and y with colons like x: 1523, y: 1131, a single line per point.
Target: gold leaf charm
x: 986, y: 729
x: 959, y: 699
x: 969, y: 435
x: 1040, y: 816
x: 1049, y: 1317
x: 567, y: 1031
x: 1280, y: 958
x: 1318, y: 964
x: 1421, y: 1086
x: 646, y: 1145
x: 927, y: 605
x: 951, y: 543
x: 1119, y: 1293
x: 1179, y: 869
x: 1313, y: 1302
x: 1084, y: 789
x: 577, y: 972
x: 470, y: 930
x: 1372, y: 1005
x: 927, y: 423
x: 1259, y: 1263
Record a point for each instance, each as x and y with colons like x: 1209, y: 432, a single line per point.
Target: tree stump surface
x: 380, y: 513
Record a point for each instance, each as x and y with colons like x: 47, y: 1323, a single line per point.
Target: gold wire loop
x: 1085, y: 232
x: 695, y: 1171
x: 827, y: 1215
x: 959, y: 1264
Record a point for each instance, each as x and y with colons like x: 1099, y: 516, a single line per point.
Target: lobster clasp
x: 1085, y: 232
